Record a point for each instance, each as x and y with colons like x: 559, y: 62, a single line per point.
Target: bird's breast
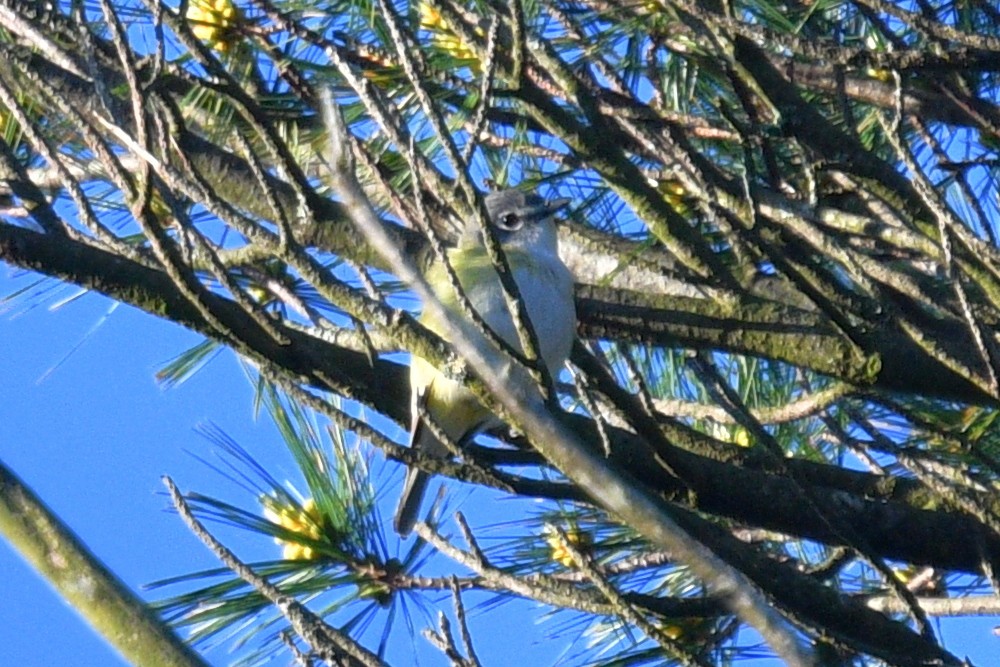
x: 546, y: 288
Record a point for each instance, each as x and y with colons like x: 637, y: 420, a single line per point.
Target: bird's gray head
x: 519, y: 219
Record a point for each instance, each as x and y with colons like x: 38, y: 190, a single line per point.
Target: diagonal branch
x: 58, y: 555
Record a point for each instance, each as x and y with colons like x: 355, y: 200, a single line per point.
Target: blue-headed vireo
x: 523, y: 224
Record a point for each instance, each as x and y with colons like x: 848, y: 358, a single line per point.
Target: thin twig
x: 456, y: 593
x: 326, y: 641
x: 519, y: 397
x: 625, y: 610
x: 301, y: 657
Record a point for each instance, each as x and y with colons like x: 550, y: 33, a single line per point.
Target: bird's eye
x: 510, y: 221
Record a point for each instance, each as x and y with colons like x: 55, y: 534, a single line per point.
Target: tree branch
x: 106, y: 603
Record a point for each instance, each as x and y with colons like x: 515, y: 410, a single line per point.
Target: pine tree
x: 777, y: 432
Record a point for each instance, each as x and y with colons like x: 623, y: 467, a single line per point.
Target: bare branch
x: 327, y: 642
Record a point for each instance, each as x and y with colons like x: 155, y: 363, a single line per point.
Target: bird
x: 524, y: 225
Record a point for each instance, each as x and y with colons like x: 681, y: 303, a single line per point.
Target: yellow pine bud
x: 443, y: 34
x: 305, y: 521
x: 212, y: 22
x: 578, y: 538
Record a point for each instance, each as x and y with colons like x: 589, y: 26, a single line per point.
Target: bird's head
x: 520, y: 220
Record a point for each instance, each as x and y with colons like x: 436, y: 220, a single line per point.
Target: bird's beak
x: 546, y: 209
x: 554, y: 205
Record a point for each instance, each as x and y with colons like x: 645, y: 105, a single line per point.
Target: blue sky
x: 93, y: 437
x: 94, y: 434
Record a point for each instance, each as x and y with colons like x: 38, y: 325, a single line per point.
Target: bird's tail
x: 409, y: 503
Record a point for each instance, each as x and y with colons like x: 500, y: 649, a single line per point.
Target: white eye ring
x: 510, y: 222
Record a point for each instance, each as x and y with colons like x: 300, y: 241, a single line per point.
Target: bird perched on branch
x: 523, y: 224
